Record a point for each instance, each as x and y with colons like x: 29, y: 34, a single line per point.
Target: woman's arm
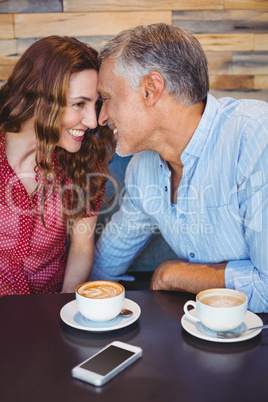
x: 81, y: 254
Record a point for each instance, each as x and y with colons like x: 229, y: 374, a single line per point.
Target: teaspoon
x: 234, y: 334
x: 126, y: 312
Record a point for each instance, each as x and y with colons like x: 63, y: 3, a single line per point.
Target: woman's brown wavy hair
x: 38, y: 88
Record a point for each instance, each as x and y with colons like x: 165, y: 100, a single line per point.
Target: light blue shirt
x: 221, y: 213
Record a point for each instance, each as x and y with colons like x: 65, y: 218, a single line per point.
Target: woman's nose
x: 90, y: 119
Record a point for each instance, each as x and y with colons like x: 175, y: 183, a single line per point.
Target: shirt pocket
x: 223, y: 233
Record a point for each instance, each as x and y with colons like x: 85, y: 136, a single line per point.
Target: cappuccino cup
x: 100, y: 300
x: 219, y: 309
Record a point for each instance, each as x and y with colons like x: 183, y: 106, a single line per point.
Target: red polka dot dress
x: 32, y: 258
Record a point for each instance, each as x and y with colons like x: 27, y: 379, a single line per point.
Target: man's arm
x: 188, y: 277
x: 123, y: 238
x: 128, y: 232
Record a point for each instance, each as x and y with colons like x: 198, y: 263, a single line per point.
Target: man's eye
x: 102, y: 100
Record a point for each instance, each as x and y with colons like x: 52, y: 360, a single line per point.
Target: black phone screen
x: 107, y: 360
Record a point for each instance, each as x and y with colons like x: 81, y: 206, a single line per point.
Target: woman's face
x: 80, y: 113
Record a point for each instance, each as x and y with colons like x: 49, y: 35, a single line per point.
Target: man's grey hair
x: 174, y: 53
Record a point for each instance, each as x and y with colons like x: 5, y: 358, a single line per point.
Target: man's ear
x: 152, y: 87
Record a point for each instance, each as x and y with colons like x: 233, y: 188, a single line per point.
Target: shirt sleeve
x: 123, y: 238
x: 250, y: 276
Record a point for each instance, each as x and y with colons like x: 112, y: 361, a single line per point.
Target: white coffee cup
x: 100, y: 300
x: 219, y: 309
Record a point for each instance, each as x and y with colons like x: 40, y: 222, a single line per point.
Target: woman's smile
x: 77, y: 135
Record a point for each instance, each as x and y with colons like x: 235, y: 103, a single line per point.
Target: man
x: 200, y: 170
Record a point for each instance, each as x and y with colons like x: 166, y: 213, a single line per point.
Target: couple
x: 197, y: 159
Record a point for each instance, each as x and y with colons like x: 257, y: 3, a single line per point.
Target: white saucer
x: 197, y: 329
x: 71, y: 316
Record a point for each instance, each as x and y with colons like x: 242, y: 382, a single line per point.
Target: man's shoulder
x: 247, y: 108
x: 143, y: 159
x: 145, y: 156
x: 141, y: 165
x: 243, y: 123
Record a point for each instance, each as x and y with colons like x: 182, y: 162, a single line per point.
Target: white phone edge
x: 97, y: 379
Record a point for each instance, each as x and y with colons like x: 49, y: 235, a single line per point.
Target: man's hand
x: 188, y: 277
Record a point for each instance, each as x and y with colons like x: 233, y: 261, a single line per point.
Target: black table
x: 38, y: 351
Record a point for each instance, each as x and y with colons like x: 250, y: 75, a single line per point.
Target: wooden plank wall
x: 234, y: 33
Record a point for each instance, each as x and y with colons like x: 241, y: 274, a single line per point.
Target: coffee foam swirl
x: 100, y: 290
x: 222, y: 301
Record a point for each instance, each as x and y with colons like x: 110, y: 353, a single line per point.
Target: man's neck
x: 181, y: 123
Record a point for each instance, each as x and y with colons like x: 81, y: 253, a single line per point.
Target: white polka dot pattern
x: 32, y: 258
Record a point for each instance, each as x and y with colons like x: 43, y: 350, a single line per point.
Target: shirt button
x: 165, y: 188
x: 182, y: 216
x: 192, y: 255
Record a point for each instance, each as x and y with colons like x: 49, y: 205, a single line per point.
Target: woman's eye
x: 79, y: 105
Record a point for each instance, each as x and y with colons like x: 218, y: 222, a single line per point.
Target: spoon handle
x: 260, y: 327
x: 233, y: 334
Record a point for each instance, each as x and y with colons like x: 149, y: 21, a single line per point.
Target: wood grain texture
x: 6, y: 66
x: 95, y: 41
x: 261, y: 82
x: 245, y: 4
x: 6, y: 26
x: 84, y: 24
x: 30, y: 6
x: 231, y: 82
x: 255, y: 63
x: 226, y: 42
x: 261, y: 42
x: 224, y: 21
x: 24, y: 43
x: 8, y: 47
x: 140, y: 5
x: 220, y: 62
x: 233, y: 33
x: 261, y: 94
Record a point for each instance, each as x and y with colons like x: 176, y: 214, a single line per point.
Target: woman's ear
x: 152, y: 87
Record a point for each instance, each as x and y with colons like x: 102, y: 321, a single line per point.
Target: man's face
x: 123, y: 110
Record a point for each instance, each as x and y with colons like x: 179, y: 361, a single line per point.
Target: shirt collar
x: 164, y: 165
x: 197, y: 142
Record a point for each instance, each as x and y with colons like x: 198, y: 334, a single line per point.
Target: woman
x: 52, y: 167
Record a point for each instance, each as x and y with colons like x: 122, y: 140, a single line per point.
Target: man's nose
x: 103, y: 117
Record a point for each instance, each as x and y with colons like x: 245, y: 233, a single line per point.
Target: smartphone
x: 108, y: 362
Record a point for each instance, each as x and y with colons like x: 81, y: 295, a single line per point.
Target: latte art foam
x: 100, y: 289
x: 222, y: 301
